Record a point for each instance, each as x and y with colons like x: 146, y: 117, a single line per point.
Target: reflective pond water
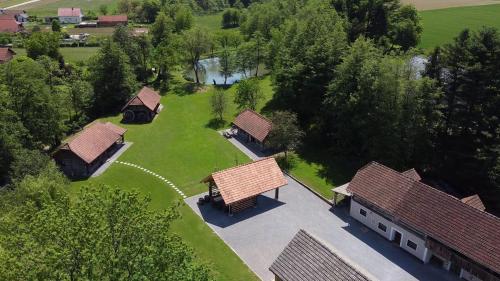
x: 211, y: 72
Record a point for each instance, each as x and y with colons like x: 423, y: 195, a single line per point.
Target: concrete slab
x: 258, y: 235
x: 111, y: 159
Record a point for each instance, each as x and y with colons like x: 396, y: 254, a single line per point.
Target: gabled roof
x: 465, y: 229
x: 247, y: 180
x: 94, y: 140
x: 113, y: 18
x: 254, y: 124
x: 474, y: 201
x: 9, y: 25
x: 307, y: 259
x: 5, y: 54
x: 69, y: 12
x: 412, y: 174
x: 147, y: 97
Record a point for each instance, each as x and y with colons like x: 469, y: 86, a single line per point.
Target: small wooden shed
x: 84, y: 153
x: 143, y: 107
x: 252, y: 126
x: 238, y: 187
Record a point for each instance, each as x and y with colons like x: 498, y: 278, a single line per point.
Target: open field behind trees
x: 423, y: 5
x: 70, y: 54
x: 441, y: 26
x: 49, y: 7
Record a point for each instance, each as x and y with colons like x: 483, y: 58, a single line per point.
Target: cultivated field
x: 441, y: 26
x: 441, y: 4
x: 49, y: 7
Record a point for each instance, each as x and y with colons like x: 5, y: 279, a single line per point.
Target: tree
x: 231, y: 18
x: 103, y: 9
x: 112, y: 79
x: 56, y: 26
x: 196, y: 43
x: 227, y: 64
x: 285, y: 134
x: 133, y: 241
x: 43, y: 43
x: 137, y: 48
x: 80, y: 101
x: 258, y: 43
x: 183, y: 19
x: 245, y: 58
x: 149, y: 10
x: 218, y: 102
x: 248, y: 94
x: 161, y: 29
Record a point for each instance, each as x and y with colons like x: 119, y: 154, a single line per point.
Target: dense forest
x: 343, y: 68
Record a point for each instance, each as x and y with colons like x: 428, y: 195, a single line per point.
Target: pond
x: 211, y: 72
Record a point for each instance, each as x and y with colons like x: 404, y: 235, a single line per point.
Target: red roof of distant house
x: 147, y: 97
x: 9, y: 25
x: 6, y: 54
x: 412, y: 174
x: 94, y: 140
x: 247, y: 180
x: 113, y: 18
x: 465, y: 229
x: 69, y: 12
x: 254, y: 124
x: 474, y: 201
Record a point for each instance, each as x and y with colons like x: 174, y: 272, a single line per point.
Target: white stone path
x: 155, y: 175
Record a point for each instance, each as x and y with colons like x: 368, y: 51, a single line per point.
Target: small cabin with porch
x: 252, y: 127
x: 87, y: 151
x: 143, y: 107
x: 237, y: 188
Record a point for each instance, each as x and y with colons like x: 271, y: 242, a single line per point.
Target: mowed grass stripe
x: 441, y: 26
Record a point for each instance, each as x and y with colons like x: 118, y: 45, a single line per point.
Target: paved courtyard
x: 258, y: 235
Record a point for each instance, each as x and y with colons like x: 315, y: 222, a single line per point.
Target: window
x: 411, y: 244
x: 382, y: 227
x: 362, y: 212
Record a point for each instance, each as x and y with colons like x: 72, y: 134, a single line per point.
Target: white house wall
x: 70, y: 19
x: 372, y: 220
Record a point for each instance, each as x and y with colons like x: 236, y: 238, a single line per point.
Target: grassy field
x: 70, y: 54
x: 211, y: 22
x: 49, y: 7
x: 441, y: 26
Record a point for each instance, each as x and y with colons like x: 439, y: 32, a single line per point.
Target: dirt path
x: 423, y: 5
x: 22, y: 4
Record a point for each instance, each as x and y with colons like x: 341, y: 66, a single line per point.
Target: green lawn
x: 212, y: 22
x: 441, y: 26
x: 70, y: 54
x: 49, y: 7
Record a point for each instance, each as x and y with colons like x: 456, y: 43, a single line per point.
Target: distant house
x: 69, y: 15
x: 20, y: 16
x: 306, y: 258
x: 6, y: 54
x: 10, y: 25
x: 435, y: 227
x: 252, y: 126
x: 114, y: 20
x: 87, y: 151
x: 237, y: 188
x: 143, y: 107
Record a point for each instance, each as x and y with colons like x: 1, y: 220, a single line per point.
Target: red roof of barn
x: 4, y: 54
x: 254, y: 124
x: 69, y: 12
x: 147, y: 97
x: 9, y: 25
x: 474, y: 201
x: 94, y: 140
x: 113, y: 18
x: 247, y: 180
x: 412, y: 174
x: 465, y: 229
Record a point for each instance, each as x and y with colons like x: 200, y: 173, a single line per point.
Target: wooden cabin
x: 252, y: 126
x: 143, y: 107
x: 87, y: 151
x: 237, y: 188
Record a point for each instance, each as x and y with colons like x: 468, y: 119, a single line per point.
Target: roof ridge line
x: 244, y: 164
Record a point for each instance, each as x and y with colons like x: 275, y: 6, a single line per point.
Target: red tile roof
x: 248, y: 180
x: 10, y: 25
x: 474, y: 201
x: 412, y: 174
x: 94, y: 140
x: 467, y: 230
x: 147, y: 97
x: 254, y: 124
x: 113, y: 18
x: 69, y: 12
x: 6, y: 54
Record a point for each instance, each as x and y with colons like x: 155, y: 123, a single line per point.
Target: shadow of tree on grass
x: 216, y: 124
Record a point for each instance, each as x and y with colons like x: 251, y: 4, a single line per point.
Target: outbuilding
x: 6, y: 54
x: 237, y: 188
x: 113, y: 20
x: 252, y: 126
x: 143, y: 107
x: 87, y: 151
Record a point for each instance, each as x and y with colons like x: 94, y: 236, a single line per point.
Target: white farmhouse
x: 69, y: 15
x: 458, y: 235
